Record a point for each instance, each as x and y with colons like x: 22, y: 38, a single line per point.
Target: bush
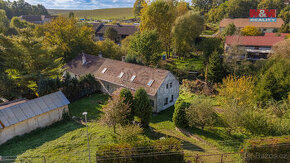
x: 164, y: 150
x: 201, y: 114
x: 277, y: 147
x: 251, y: 31
x: 179, y: 115
x: 129, y: 134
x: 109, y: 49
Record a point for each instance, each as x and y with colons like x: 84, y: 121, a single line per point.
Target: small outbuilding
x: 23, y: 116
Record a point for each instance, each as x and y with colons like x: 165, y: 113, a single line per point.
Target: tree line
x: 20, y: 7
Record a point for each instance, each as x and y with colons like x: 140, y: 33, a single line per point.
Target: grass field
x: 111, y: 13
x: 66, y: 141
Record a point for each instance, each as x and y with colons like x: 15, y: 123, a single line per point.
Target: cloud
x: 83, y: 4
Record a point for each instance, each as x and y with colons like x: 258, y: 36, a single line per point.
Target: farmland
x: 111, y: 13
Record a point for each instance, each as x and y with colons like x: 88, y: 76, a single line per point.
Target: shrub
x: 251, y: 31
x: 229, y: 30
x: 109, y: 49
x: 179, y: 115
x: 200, y: 114
x: 278, y: 147
x: 129, y: 133
x: 142, y: 107
x: 239, y: 90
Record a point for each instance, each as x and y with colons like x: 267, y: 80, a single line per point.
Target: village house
x: 266, y: 27
x: 23, y: 116
x: 254, y: 47
x: 37, y: 19
x: 161, y: 85
x: 123, y: 30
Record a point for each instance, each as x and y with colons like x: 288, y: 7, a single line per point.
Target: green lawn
x: 66, y: 141
x: 92, y: 104
x: 187, y: 64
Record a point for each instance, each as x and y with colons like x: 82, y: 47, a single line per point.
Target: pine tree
x: 128, y: 99
x: 142, y: 107
x: 216, y: 70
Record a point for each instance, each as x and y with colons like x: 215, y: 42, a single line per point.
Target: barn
x: 23, y: 116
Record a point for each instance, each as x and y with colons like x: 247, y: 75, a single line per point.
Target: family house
x: 161, y: 85
x: 23, y: 116
x: 123, y: 30
x: 266, y: 27
x: 254, y: 47
x: 37, y: 19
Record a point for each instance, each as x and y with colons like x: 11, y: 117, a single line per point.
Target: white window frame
x: 104, y: 70
x: 132, y: 78
x: 121, y: 75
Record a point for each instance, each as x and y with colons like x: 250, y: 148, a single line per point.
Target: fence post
x: 44, y: 160
x: 222, y: 158
x: 196, y: 158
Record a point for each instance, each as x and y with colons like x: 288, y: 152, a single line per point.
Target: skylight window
x: 104, y: 70
x: 150, y: 83
x: 132, y: 78
x: 121, y: 75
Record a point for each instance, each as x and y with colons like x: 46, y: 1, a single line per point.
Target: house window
x: 171, y: 100
x: 150, y: 83
x: 132, y: 78
x: 104, y: 70
x: 170, y: 85
x: 121, y: 75
x: 108, y: 87
x: 166, y: 86
x: 166, y: 101
x: 152, y: 103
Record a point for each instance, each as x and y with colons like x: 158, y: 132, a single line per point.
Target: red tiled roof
x: 242, y: 22
x: 276, y: 34
x: 253, y: 40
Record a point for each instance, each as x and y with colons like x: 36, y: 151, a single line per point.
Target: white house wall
x: 164, y: 92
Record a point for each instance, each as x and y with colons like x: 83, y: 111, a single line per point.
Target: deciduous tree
x: 146, y: 46
x: 115, y: 112
x: 186, y: 29
x: 251, y: 31
x: 111, y: 33
x: 159, y: 15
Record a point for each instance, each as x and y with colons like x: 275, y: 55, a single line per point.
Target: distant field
x: 112, y: 13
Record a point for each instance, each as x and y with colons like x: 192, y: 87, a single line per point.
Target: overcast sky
x: 83, y: 4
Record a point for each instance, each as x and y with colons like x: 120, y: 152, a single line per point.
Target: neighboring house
x: 266, y: 27
x: 23, y: 116
x: 161, y: 85
x: 254, y: 47
x: 123, y: 30
x: 37, y: 19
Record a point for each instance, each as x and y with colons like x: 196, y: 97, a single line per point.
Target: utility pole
x: 86, y: 121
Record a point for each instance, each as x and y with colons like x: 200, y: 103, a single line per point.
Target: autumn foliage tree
x: 115, y: 112
x: 160, y: 16
x: 251, y: 31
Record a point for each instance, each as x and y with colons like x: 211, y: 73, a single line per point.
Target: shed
x: 23, y: 116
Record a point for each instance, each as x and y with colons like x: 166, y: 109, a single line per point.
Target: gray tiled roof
x: 23, y: 111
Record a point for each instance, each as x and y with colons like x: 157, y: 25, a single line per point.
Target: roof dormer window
x: 121, y: 75
x: 150, y: 83
x: 132, y: 78
x: 104, y: 70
